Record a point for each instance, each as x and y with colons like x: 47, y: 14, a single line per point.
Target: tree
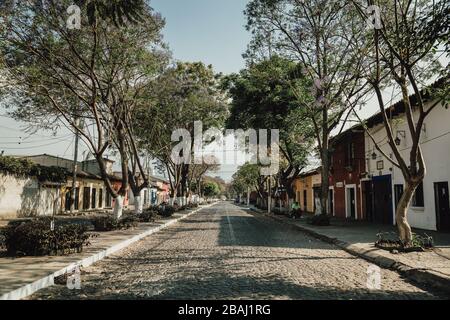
x: 211, y: 189
x: 325, y: 38
x: 403, y: 52
x: 198, y: 171
x: 95, y: 74
x: 185, y: 93
x: 263, y: 97
x: 247, y: 179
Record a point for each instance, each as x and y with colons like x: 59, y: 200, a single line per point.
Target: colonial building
x: 307, y: 190
x: 348, y: 166
x: 384, y: 185
x: 90, y: 192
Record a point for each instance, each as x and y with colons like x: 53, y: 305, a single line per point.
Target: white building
x: 384, y: 184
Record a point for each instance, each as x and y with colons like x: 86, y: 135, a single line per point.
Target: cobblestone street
x: 225, y: 253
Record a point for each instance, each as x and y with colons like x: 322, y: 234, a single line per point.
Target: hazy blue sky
x: 211, y: 31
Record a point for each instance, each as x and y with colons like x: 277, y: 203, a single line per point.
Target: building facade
x: 384, y: 185
x: 348, y: 166
x: 307, y: 190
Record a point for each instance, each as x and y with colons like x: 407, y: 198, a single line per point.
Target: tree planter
x: 419, y: 243
x: 393, y: 246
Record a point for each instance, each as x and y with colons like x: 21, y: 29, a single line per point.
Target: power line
x: 33, y: 147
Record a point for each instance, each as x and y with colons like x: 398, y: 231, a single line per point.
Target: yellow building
x: 306, y: 188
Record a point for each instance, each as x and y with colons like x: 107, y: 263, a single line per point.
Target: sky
x: 211, y: 31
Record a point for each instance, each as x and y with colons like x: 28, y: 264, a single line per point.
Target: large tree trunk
x: 403, y: 226
x: 118, y: 207
x: 325, y: 183
x: 138, y: 204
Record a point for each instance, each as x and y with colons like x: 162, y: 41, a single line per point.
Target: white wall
x: 435, y: 145
x: 23, y: 197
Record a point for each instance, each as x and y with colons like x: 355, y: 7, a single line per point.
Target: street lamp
x: 374, y: 156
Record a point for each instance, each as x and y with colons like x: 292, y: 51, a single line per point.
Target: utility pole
x: 75, y: 168
x: 269, y: 197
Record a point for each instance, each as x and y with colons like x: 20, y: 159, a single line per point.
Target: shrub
x: 192, y: 205
x: 35, y: 238
x: 128, y: 222
x: 390, y: 241
x: 321, y: 220
x: 166, y: 211
x: 147, y: 215
x: 108, y: 223
x: 26, y: 168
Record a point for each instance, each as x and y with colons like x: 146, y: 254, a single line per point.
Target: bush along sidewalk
x: 109, y: 223
x: 39, y: 237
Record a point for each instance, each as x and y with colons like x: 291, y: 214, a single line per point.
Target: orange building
x: 307, y: 189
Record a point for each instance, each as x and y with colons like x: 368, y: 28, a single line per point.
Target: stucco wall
x: 436, y: 150
x: 306, y: 183
x: 24, y: 197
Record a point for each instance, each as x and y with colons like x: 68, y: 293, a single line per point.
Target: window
x: 418, y: 199
x: 77, y: 198
x: 305, y: 200
x: 350, y: 154
x: 86, y: 198
x: 100, y: 198
x: 94, y: 198
x: 108, y: 203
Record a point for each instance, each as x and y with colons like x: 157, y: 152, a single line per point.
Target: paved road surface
x: 224, y: 252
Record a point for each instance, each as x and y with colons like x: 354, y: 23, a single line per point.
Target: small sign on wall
x: 339, y: 185
x: 380, y: 165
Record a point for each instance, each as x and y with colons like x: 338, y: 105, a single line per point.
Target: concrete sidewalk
x: 430, y: 268
x: 21, y: 277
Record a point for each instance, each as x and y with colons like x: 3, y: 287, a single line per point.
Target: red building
x: 348, y: 166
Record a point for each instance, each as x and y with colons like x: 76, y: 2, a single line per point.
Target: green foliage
x: 390, y: 241
x: 113, y: 10
x: 108, y: 223
x: 266, y: 95
x: 166, y: 211
x: 147, y: 215
x: 246, y: 177
x: 35, y: 238
x: 16, y: 167
x: 211, y: 189
x: 182, y: 94
x: 26, y: 168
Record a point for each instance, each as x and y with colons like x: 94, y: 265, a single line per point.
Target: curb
x: 48, y: 281
x: 421, y: 276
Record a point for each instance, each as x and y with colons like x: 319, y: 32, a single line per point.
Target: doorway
x: 331, y: 201
x: 382, y: 200
x: 442, y: 206
x: 350, y: 192
x: 305, y: 200
x: 367, y: 196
